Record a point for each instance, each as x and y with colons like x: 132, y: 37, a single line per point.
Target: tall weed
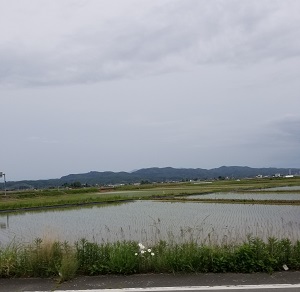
x: 56, y: 259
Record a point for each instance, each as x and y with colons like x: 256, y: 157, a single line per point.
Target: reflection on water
x: 4, y: 224
x: 65, y: 208
x: 149, y: 222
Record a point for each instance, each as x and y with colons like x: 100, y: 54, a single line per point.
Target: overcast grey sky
x: 127, y: 84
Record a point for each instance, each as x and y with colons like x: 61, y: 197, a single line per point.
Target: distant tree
x: 76, y: 184
x: 145, y: 182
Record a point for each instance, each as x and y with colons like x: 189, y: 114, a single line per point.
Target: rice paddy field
x: 250, y: 196
x: 152, y: 221
x: 221, y: 226
x: 215, y: 212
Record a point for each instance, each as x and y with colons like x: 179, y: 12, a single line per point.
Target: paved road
x: 156, y: 283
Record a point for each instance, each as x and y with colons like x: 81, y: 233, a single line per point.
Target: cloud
x: 282, y: 134
x: 287, y: 129
x: 71, y: 42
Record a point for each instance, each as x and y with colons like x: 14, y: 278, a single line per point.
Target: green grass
x: 16, y: 201
x: 65, y: 261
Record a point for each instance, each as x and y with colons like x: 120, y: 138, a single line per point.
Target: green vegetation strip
x: 231, y: 201
x: 19, y: 200
x: 266, y: 191
x: 53, y: 198
x: 65, y: 261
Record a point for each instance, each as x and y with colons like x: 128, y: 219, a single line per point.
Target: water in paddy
x: 148, y: 222
x: 248, y: 196
x: 288, y: 188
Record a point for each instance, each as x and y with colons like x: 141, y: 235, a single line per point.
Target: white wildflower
x: 142, y: 251
x: 136, y: 254
x: 141, y: 246
x: 152, y: 253
x: 149, y: 249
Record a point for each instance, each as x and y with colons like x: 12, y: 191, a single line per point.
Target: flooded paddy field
x: 248, y: 196
x: 287, y: 188
x: 151, y: 221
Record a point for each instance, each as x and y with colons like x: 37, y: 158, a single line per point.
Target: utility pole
x: 3, y: 174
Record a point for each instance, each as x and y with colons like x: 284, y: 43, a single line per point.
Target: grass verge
x: 65, y: 261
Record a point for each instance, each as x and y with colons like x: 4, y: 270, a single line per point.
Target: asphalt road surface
x: 277, y: 282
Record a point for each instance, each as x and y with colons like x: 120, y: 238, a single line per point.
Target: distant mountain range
x: 153, y: 174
